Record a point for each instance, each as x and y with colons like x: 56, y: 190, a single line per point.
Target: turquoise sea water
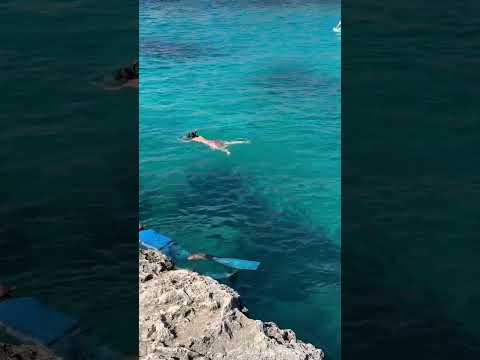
x: 268, y: 72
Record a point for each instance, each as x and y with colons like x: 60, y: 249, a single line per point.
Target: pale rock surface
x: 187, y: 316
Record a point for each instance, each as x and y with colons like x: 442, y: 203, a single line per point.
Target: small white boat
x: 338, y: 28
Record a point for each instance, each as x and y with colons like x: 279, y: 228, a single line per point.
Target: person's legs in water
x: 225, y: 150
x: 226, y: 144
x: 236, y: 142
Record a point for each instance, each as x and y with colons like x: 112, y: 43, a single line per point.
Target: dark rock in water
x: 184, y: 315
x: 5, y: 291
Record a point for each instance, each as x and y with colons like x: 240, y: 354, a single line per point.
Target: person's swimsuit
x: 217, y: 143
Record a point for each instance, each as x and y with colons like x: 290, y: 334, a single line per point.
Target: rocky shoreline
x: 187, y: 316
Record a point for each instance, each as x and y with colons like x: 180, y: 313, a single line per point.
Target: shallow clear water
x: 268, y: 72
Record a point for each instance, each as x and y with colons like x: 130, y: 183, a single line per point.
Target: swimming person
x: 213, y: 144
x: 126, y: 76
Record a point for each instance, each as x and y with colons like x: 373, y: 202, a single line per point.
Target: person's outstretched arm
x: 225, y: 151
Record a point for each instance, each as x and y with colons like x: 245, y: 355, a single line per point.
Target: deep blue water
x: 410, y: 181
x: 69, y: 162
x: 268, y: 72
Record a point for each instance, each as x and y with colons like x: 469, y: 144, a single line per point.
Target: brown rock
x: 25, y: 352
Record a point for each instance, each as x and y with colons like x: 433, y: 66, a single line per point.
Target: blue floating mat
x: 30, y: 320
x: 239, y: 264
x: 153, y: 240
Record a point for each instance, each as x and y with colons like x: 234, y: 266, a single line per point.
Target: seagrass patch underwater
x: 268, y: 72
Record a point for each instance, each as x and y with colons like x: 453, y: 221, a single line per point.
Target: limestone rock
x: 187, y: 316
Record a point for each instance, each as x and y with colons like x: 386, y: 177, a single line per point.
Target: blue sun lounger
x: 31, y: 321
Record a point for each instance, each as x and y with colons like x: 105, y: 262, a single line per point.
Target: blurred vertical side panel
x: 69, y: 176
x: 410, y: 187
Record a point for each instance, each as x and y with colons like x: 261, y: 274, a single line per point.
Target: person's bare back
x: 214, y: 144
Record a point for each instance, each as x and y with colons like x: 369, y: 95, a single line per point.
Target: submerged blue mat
x: 239, y: 264
x: 153, y: 240
x: 28, y: 319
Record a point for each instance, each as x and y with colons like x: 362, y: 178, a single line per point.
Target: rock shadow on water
x: 295, y: 259
x: 178, y: 51
x: 290, y: 79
